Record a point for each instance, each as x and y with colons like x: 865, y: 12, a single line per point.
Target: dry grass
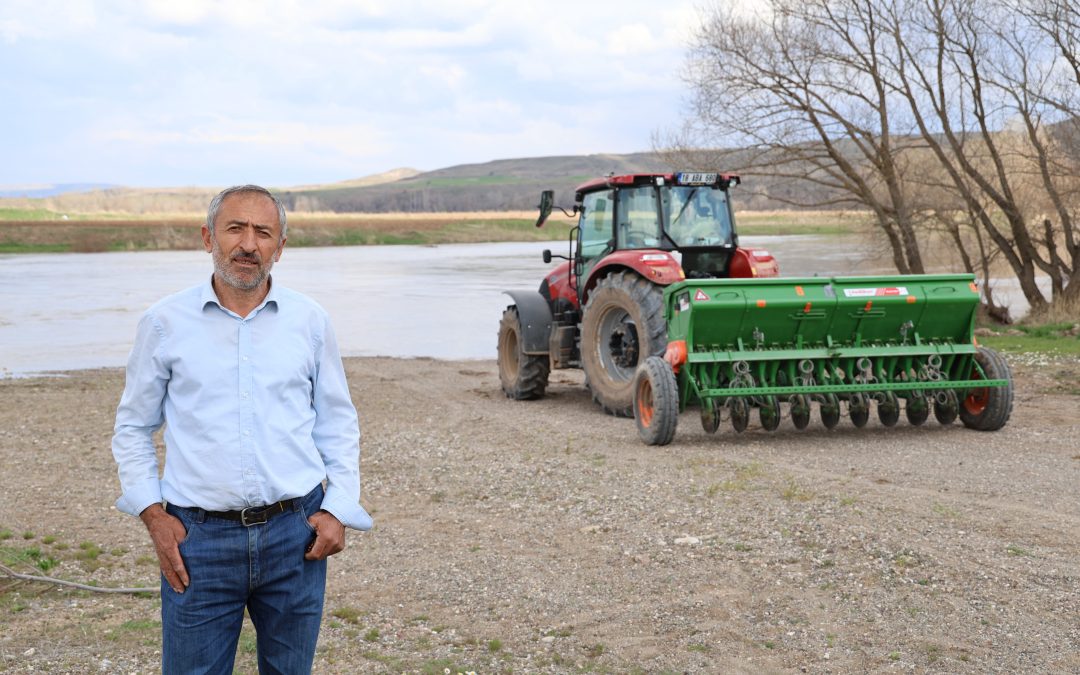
x: 114, y: 232
x: 1062, y: 311
x: 802, y: 222
x: 328, y: 217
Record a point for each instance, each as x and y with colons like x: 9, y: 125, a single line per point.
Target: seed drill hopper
x: 851, y: 342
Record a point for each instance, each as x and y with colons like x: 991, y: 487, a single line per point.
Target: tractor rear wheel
x: 656, y: 401
x: 988, y: 409
x: 523, y: 376
x: 623, y: 325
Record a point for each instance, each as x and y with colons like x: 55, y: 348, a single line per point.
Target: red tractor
x: 602, y: 309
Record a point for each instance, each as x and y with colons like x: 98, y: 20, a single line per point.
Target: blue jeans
x: 231, y: 567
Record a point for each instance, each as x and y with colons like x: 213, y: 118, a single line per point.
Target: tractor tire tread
x: 525, y: 376
x: 999, y: 402
x: 661, y: 425
x: 614, y: 397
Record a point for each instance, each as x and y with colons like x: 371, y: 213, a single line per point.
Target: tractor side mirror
x: 547, y: 201
x: 547, y: 255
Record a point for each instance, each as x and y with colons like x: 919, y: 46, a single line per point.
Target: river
x: 72, y: 311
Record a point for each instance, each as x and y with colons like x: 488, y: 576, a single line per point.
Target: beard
x: 244, y: 279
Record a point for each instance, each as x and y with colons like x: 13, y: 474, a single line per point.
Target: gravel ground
x: 544, y: 537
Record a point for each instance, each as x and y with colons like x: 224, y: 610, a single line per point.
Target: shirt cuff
x: 138, y: 498
x: 349, y: 513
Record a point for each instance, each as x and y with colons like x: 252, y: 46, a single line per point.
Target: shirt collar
x: 207, y: 296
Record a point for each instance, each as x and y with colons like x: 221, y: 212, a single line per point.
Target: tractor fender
x: 748, y: 263
x: 653, y: 265
x: 535, y: 317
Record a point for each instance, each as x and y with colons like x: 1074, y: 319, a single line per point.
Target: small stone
x: 688, y: 540
x: 29, y: 652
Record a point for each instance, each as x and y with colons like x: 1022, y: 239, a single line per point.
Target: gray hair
x: 215, y: 205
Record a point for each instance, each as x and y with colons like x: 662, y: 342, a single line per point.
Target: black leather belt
x: 255, y: 515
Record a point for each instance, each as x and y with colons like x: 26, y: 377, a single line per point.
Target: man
x: 248, y: 378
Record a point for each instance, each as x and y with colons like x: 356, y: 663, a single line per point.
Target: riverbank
x: 544, y: 537
x: 47, y: 232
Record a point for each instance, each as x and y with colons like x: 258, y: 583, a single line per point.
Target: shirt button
x: 245, y: 358
x: 247, y: 432
x: 243, y: 394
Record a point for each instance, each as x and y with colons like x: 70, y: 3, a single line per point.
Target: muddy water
x: 71, y: 311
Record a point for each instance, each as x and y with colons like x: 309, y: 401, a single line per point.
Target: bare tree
x: 801, y: 92
x: 968, y: 70
x: 857, y: 96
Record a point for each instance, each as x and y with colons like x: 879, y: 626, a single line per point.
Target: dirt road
x: 544, y: 537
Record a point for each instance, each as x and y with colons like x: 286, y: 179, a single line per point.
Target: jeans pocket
x: 304, y: 515
x: 190, y: 530
x: 188, y: 523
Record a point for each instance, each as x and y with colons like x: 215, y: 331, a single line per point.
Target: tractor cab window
x: 596, y: 224
x: 697, y: 216
x: 639, y: 219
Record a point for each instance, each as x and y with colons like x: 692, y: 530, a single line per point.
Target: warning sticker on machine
x: 700, y: 295
x: 874, y: 292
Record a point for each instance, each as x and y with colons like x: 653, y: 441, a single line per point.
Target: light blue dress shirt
x: 257, y: 408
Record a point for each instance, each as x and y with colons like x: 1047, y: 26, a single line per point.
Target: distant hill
x: 515, y: 184
x: 39, y: 191
x: 499, y: 185
x: 114, y: 199
x: 375, y: 179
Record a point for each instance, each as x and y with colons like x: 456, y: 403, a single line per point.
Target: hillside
x: 49, y: 190
x: 499, y: 185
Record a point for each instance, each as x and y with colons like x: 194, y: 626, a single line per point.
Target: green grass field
x: 28, y: 214
x: 1037, y: 338
x: 50, y: 235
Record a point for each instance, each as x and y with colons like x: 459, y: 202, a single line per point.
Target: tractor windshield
x: 697, y: 215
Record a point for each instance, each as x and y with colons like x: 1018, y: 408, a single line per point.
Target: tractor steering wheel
x: 633, y: 238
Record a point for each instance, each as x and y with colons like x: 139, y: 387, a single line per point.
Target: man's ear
x: 280, y: 248
x: 207, y: 238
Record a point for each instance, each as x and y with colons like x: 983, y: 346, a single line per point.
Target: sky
x: 154, y: 93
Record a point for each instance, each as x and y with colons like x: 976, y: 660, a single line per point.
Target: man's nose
x: 247, y: 240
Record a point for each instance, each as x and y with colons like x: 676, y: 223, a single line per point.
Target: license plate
x: 695, y: 178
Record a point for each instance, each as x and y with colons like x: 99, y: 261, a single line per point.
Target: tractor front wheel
x: 988, y: 409
x: 523, y: 376
x: 656, y: 401
x: 623, y: 325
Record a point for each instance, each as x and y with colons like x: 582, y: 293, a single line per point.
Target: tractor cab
x: 686, y: 218
x: 602, y: 309
x: 687, y: 210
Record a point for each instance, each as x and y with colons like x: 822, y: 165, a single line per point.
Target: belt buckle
x: 254, y: 515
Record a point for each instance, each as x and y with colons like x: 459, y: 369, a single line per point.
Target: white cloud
x: 28, y: 19
x: 186, y: 13
x: 11, y: 30
x: 162, y: 88
x: 632, y: 39
x: 350, y: 140
x: 449, y: 74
